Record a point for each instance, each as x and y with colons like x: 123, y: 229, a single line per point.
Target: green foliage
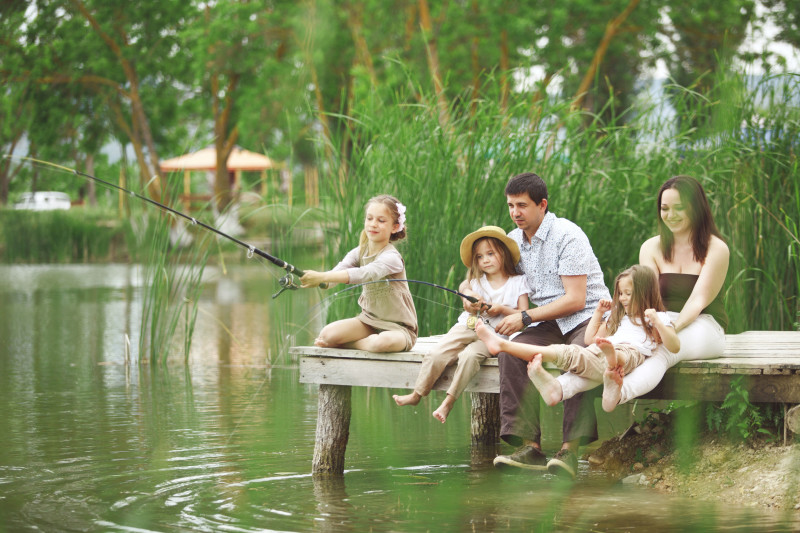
x: 603, y: 175
x: 171, y: 276
x: 740, y: 419
x: 75, y: 235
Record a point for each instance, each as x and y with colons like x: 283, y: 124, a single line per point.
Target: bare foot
x: 443, y: 410
x: 407, y: 399
x: 489, y: 338
x: 612, y: 388
x: 607, y: 347
x: 547, y: 385
x: 321, y: 343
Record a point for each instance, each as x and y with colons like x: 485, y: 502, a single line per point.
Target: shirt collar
x: 544, y: 229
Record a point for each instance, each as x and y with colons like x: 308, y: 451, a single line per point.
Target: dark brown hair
x: 694, y: 200
x: 529, y: 183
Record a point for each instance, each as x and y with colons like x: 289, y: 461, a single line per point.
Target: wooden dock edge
x: 768, y: 360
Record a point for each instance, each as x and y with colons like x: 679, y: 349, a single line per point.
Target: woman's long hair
x: 646, y: 295
x: 497, y: 247
x: 693, y: 198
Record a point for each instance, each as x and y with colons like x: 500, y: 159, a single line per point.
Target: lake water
x: 225, y: 442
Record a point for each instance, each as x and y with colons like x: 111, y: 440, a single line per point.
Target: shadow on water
x: 226, y: 443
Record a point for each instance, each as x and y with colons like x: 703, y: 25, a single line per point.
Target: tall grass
x: 171, y: 280
x: 76, y: 235
x: 604, y: 176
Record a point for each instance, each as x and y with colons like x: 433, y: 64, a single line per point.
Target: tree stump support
x: 485, y: 420
x: 333, y: 429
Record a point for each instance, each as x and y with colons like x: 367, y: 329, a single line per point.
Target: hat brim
x: 487, y: 231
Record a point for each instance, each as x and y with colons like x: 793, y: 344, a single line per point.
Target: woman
x: 691, y: 261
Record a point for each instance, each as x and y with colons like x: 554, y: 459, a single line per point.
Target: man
x: 566, y: 285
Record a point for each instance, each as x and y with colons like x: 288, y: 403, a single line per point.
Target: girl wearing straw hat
x: 489, y: 256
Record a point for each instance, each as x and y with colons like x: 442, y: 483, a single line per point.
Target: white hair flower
x: 402, y: 218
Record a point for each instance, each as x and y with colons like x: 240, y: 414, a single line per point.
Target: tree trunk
x: 485, y: 418
x: 476, y: 64
x: 505, y: 69
x: 91, y: 188
x: 611, y: 30
x: 224, y: 140
x: 333, y: 429
x: 433, y: 64
x: 139, y: 117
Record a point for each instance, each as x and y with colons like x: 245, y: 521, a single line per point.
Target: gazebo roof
x: 206, y: 159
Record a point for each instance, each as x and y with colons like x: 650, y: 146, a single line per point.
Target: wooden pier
x: 770, y: 361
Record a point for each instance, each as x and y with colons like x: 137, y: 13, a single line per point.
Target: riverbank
x: 760, y: 472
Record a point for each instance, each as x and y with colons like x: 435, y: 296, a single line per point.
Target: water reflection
x: 226, y: 443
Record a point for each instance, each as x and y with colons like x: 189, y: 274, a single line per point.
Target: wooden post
x: 485, y: 418
x: 333, y: 429
x: 485, y: 422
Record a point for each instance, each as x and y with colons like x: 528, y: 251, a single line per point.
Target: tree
x: 235, y: 47
x: 121, y: 64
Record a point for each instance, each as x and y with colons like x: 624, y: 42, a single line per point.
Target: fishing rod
x: 287, y: 282
x: 472, y: 299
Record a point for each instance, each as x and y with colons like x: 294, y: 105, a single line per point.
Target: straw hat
x: 487, y: 231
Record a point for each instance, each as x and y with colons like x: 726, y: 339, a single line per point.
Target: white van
x: 43, y: 201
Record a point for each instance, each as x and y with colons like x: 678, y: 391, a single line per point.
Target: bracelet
x: 526, y: 319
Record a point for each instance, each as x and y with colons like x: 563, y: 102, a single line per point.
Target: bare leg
x: 407, y: 399
x: 547, y: 385
x: 497, y: 344
x: 385, y: 341
x: 612, y: 388
x: 342, y: 332
x: 441, y: 413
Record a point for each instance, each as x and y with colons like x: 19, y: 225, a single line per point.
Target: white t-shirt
x: 630, y: 333
x: 508, y: 294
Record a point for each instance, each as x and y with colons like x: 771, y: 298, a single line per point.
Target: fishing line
x: 287, y: 282
x: 472, y: 299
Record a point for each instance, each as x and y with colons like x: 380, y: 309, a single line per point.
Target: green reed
x: 171, y: 280
x: 604, y: 176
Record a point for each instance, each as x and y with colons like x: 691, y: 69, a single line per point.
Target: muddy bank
x: 762, y: 472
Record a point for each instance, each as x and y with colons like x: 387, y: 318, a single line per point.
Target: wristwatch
x: 526, y: 319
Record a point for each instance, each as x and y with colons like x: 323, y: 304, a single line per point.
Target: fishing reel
x: 287, y: 282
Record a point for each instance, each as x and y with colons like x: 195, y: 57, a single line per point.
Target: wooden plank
x: 715, y: 387
x: 770, y: 358
x: 387, y: 374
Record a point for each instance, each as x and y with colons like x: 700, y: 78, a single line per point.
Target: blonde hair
x: 646, y: 295
x: 498, y: 247
x: 393, y: 205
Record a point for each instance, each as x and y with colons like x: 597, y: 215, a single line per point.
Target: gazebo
x: 206, y: 159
